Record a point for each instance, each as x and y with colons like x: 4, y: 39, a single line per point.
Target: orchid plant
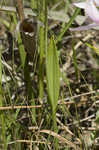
x: 91, y: 10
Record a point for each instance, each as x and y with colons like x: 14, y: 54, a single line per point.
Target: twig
x: 82, y: 120
x: 19, y: 107
x: 27, y: 141
x: 77, y: 96
x: 60, y: 138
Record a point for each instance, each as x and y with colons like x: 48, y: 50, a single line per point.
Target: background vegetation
x: 48, y: 94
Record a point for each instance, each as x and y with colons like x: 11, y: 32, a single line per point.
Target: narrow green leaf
x: 53, y: 73
x: 63, y: 31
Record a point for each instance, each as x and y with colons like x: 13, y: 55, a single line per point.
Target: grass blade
x: 53, y: 73
x: 63, y: 31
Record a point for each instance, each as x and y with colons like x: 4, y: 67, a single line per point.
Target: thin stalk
x: 42, y: 44
x: 20, y: 9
